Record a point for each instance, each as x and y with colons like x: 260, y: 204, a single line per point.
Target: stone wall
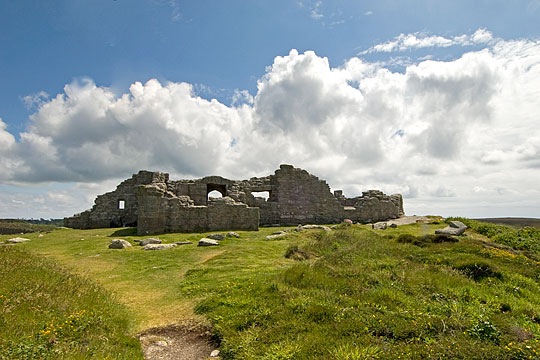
x: 162, y: 211
x: 106, y: 211
x: 155, y: 204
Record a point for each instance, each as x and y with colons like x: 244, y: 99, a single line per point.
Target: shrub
x: 478, y: 270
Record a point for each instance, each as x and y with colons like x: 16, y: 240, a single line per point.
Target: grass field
x: 353, y: 293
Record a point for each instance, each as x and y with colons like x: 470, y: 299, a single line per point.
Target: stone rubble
x: 17, y: 240
x: 149, y: 241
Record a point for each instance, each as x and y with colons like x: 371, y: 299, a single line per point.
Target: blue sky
x: 92, y: 53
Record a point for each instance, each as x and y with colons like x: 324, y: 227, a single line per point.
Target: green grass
x: 353, y: 293
x: 48, y: 313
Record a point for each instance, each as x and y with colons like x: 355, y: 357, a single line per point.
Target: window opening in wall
x: 121, y: 204
x: 261, y: 194
x: 214, y: 194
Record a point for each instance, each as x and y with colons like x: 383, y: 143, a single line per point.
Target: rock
x: 455, y: 228
x: 208, y: 242
x: 275, y: 236
x: 183, y: 242
x: 348, y: 221
x: 334, y: 227
x: 379, y: 226
x: 40, y: 235
x: 457, y: 225
x: 299, y: 228
x: 278, y: 232
x: 233, y: 234
x: 321, y: 227
x: 149, y: 241
x: 119, y: 244
x: 158, y: 246
x: 393, y: 226
x: 214, y: 353
x: 217, y: 237
x: 17, y: 240
x: 161, y: 343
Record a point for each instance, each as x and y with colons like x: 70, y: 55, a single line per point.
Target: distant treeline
x: 41, y: 221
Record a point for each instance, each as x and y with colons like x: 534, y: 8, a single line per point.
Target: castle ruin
x: 155, y: 204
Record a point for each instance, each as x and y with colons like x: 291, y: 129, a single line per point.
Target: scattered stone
x: 348, y: 221
x: 214, y: 353
x: 233, y: 234
x: 379, y: 226
x: 321, y: 227
x: 136, y: 240
x: 392, y: 225
x: 158, y: 246
x: 119, y: 244
x: 17, y: 240
x: 149, y: 241
x: 275, y: 236
x: 217, y: 237
x: 208, y: 242
x: 334, y: 227
x: 455, y: 228
x: 183, y: 242
x: 1, y: 242
x: 278, y: 232
x: 161, y: 343
x: 299, y: 228
x: 40, y: 235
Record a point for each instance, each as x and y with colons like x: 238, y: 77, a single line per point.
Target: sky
x: 436, y: 100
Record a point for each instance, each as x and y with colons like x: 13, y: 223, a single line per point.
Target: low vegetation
x: 48, y: 313
x: 352, y: 293
x: 8, y: 227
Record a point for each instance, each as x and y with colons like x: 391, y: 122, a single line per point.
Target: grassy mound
x: 9, y: 227
x: 47, y: 313
x: 366, y: 296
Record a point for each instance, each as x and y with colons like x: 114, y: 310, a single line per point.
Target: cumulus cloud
x: 404, y: 42
x: 441, y: 132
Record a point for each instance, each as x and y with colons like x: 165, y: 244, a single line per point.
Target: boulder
x: 17, y: 240
x: 379, y: 226
x: 233, y: 234
x: 149, y: 241
x: 321, y: 227
x: 455, y: 228
x: 217, y: 237
x: 158, y: 246
x: 119, y: 244
x: 208, y: 242
x: 393, y: 225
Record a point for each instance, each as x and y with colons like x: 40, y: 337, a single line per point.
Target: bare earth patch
x: 178, y: 342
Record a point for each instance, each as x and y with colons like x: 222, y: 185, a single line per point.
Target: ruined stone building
x: 155, y: 204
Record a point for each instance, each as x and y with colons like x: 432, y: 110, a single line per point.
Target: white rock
x: 214, y: 353
x: 17, y: 240
x: 158, y: 246
x: 208, y: 242
x: 119, y: 244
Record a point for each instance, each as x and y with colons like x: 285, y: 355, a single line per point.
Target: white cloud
x: 453, y: 135
x: 368, y: 13
x: 316, y: 12
x: 404, y: 42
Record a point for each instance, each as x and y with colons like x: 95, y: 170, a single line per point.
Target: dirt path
x: 178, y: 342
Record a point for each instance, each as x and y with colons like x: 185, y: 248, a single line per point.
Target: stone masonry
x: 155, y: 204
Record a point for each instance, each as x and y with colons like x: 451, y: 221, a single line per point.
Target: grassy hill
x: 353, y: 293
